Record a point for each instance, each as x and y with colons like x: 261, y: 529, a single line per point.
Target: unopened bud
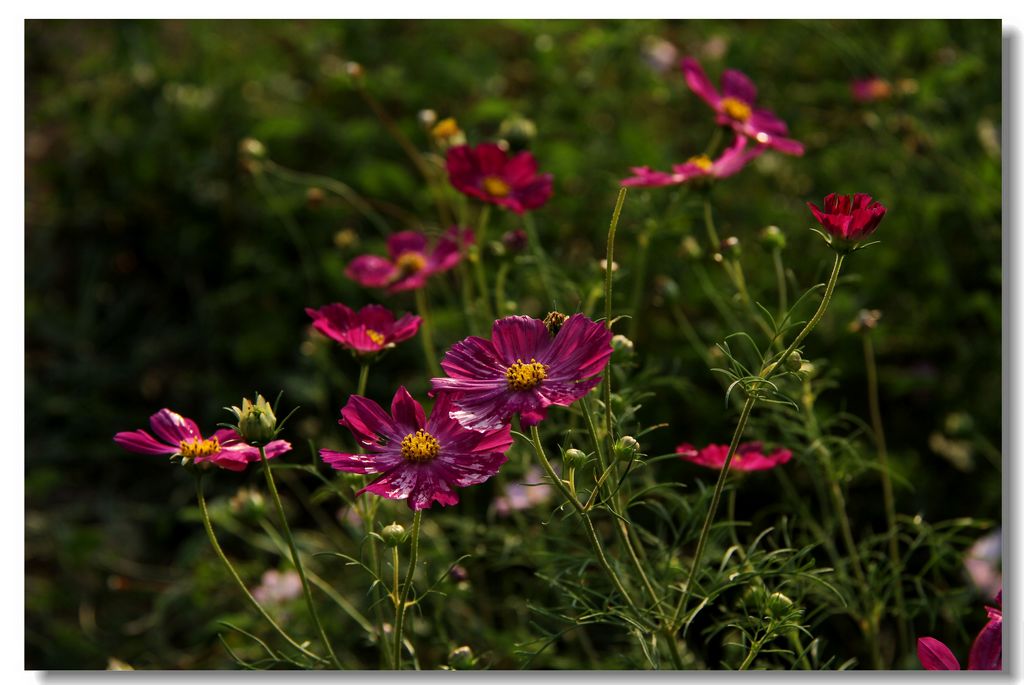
x: 393, y: 535
x: 257, y: 424
x: 691, y: 248
x: 773, y: 238
x: 426, y: 117
x: 626, y: 447
x: 574, y: 458
x: 554, y: 322
x: 314, y: 197
x: 458, y: 573
x: 355, y: 70
x: 461, y: 658
x: 777, y: 605
x: 731, y: 246
x: 622, y: 344
x: 252, y: 148
x: 794, y: 362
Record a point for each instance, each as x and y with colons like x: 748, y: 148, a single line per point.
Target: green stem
x: 296, y: 560
x: 780, y: 281
x: 404, y: 595
x: 427, y: 334
x: 540, y: 257
x: 234, y: 574
x: 364, y: 374
x: 606, y: 382
x: 478, y: 263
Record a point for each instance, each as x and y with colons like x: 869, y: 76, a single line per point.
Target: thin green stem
x: 205, y: 514
x: 606, y: 382
x: 540, y: 257
x: 364, y: 375
x: 427, y: 334
x: 780, y: 281
x: 296, y: 559
x: 478, y: 262
x: 404, y: 595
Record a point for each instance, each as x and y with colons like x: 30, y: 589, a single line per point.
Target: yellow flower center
x: 522, y: 376
x: 410, y: 262
x: 376, y: 337
x: 190, y: 449
x: 737, y: 109
x: 702, y: 161
x: 496, y: 186
x: 446, y: 128
x: 420, y: 446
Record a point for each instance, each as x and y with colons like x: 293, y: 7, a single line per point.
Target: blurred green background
x: 161, y: 273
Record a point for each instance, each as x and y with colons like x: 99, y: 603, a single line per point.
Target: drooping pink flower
x: 368, y: 331
x: 180, y: 437
x: 523, y: 370
x: 419, y: 459
x: 870, y: 89
x: 750, y: 456
x: 409, y: 262
x: 731, y: 161
x: 986, y: 652
x: 734, y: 107
x: 849, y: 218
x: 487, y: 173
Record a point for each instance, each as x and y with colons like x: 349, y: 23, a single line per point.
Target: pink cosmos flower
x: 370, y: 330
x: 749, y: 456
x: 734, y: 107
x: 180, y: 437
x: 523, y: 370
x: 419, y: 459
x: 847, y: 218
x: 487, y: 173
x: 870, y: 89
x: 731, y: 161
x: 986, y: 652
x: 409, y: 262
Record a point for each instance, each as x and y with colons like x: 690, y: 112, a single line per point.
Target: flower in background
x: 487, y: 173
x: 750, y: 456
x: 520, y: 496
x: 986, y: 652
x: 523, y: 370
x: 409, y: 262
x: 659, y: 54
x: 179, y: 437
x: 370, y: 330
x: 848, y: 218
x: 982, y: 563
x: 731, y: 161
x: 515, y: 241
x: 734, y: 107
x: 447, y: 133
x: 419, y: 459
x: 870, y: 89
x: 277, y: 588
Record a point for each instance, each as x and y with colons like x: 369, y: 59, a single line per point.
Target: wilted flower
x: 523, y: 370
x: 276, y: 587
x: 734, y: 107
x: 731, y: 161
x: 487, y: 173
x: 409, y: 263
x: 179, y: 437
x: 750, y: 456
x: 420, y: 459
x: 986, y: 652
x: 370, y: 330
x: 848, y: 218
x: 870, y: 89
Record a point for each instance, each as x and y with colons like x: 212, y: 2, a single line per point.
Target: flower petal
x: 736, y: 84
x: 520, y: 338
x: 370, y: 271
x: 699, y: 83
x: 172, y: 427
x: 368, y: 422
x: 987, y: 650
x: 406, y: 241
x: 935, y: 656
x: 375, y: 462
x: 141, y: 442
x: 407, y: 412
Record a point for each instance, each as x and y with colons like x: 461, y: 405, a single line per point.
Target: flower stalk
x: 401, y: 597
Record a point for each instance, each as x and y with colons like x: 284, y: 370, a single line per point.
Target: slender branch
x: 606, y: 382
x: 404, y: 595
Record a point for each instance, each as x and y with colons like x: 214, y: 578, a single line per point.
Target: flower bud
x: 794, y: 362
x: 248, y: 504
x: 554, y: 321
x: 393, y: 535
x: 426, y: 117
x: 626, y: 448
x: 314, y: 198
x: 355, y: 70
x: 691, y: 248
x: 731, y: 247
x: 574, y: 458
x: 257, y: 424
x: 773, y: 238
x: 461, y: 658
x: 458, y: 573
x: 252, y: 148
x: 778, y: 605
x: 622, y: 345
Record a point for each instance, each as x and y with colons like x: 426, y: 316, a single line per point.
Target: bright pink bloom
x: 731, y: 161
x: 420, y: 459
x: 370, y: 330
x: 749, y: 456
x: 487, y: 173
x: 870, y: 89
x: 849, y: 218
x: 986, y: 652
x: 734, y: 107
x: 523, y: 370
x: 180, y: 437
x: 409, y: 262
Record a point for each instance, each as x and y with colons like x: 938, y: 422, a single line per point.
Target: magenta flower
x: 409, y: 262
x: 419, y: 459
x: 731, y: 161
x: 870, y: 89
x: 986, y: 652
x: 368, y: 331
x: 487, y: 173
x: 523, y: 370
x: 750, y: 456
x: 848, y: 219
x: 180, y: 437
x: 734, y: 107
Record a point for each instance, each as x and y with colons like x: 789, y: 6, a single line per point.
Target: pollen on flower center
x: 521, y: 376
x: 410, y: 262
x: 190, y: 449
x: 420, y: 446
x: 376, y: 337
x: 702, y: 161
x: 737, y: 109
x: 496, y: 186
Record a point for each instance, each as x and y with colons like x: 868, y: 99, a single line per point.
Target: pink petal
x: 141, y: 442
x: 935, y: 656
x: 368, y: 422
x: 407, y: 412
x: 172, y: 427
x: 473, y: 358
x: 518, y: 338
x: 406, y: 241
x: 987, y: 650
x: 374, y: 462
x: 736, y: 84
x: 371, y: 271
x: 581, y: 349
x: 406, y: 327
x: 520, y: 169
x: 699, y: 83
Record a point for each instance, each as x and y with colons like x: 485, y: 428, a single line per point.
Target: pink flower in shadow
x: 487, y: 173
x: 410, y: 261
x: 368, y: 331
x: 750, y: 456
